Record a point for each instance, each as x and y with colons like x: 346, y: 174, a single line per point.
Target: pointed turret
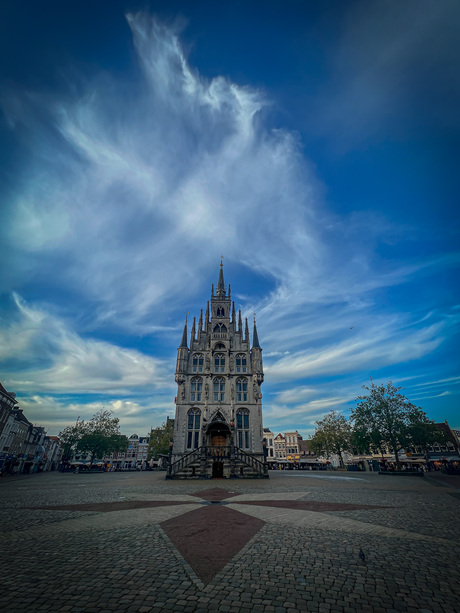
x: 220, y: 291
x: 200, y: 322
x: 246, y: 329
x: 182, y: 356
x: 255, y: 338
x: 233, y: 312
x: 240, y: 322
x: 193, y: 335
x: 183, y: 342
x: 256, y: 358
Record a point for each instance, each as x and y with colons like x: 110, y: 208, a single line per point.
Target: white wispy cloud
x: 370, y: 347
x: 39, y: 352
x: 185, y: 161
x: 57, y: 413
x: 132, y: 192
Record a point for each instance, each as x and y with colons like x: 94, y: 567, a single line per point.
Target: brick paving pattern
x: 114, y: 553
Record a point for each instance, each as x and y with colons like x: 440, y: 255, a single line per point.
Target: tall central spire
x: 220, y: 291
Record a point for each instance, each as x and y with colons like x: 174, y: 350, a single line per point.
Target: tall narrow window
x: 219, y: 362
x: 196, y: 388
x: 219, y: 389
x: 242, y: 390
x: 197, y: 362
x: 193, y: 428
x: 242, y: 428
x: 241, y: 363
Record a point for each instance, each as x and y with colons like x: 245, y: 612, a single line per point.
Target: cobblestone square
x: 305, y: 530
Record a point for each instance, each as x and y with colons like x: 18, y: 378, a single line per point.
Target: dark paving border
x: 311, y: 505
x: 108, y: 507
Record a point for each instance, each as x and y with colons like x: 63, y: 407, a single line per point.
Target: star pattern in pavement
x: 210, y: 536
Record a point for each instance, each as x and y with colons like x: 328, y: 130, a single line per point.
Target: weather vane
x: 221, y: 258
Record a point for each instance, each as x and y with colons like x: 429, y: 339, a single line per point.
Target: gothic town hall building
x: 218, y: 430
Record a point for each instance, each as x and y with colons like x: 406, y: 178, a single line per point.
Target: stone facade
x: 218, y: 428
x: 280, y: 447
x: 269, y: 445
x: 24, y: 448
x: 134, y: 457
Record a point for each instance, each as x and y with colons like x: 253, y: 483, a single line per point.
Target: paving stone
x: 300, y: 560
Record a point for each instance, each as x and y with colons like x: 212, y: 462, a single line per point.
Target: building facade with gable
x: 280, y: 447
x: 218, y: 431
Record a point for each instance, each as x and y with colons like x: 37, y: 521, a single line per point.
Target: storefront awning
x: 446, y: 458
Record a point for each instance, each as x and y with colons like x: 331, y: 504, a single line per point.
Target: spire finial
x: 220, y: 292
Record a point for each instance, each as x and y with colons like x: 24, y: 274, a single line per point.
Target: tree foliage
x: 70, y: 436
x: 333, y: 435
x: 385, y: 418
x: 99, y: 437
x: 160, y: 439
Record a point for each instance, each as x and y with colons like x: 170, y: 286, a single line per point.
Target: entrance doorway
x: 218, y: 470
x: 218, y: 440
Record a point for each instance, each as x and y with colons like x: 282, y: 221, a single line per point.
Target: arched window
x: 242, y: 428
x: 193, y: 428
x: 219, y: 389
x: 220, y: 312
x: 197, y: 362
x: 241, y: 363
x: 242, y: 390
x: 219, y: 362
x: 220, y: 331
x: 196, y: 388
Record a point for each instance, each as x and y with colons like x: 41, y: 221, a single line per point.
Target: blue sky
x: 313, y: 144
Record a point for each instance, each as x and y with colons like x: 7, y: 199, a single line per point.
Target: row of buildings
x: 290, y: 450
x: 24, y: 447
x: 135, y: 457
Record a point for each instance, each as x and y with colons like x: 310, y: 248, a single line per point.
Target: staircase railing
x: 184, y: 461
x: 213, y: 451
x: 250, y: 460
x: 230, y: 452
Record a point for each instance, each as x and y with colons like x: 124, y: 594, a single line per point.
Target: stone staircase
x: 226, y: 462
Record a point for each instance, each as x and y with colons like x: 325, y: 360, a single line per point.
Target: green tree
x: 383, y: 419
x: 98, y: 437
x: 70, y: 437
x: 333, y: 435
x: 160, y: 439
